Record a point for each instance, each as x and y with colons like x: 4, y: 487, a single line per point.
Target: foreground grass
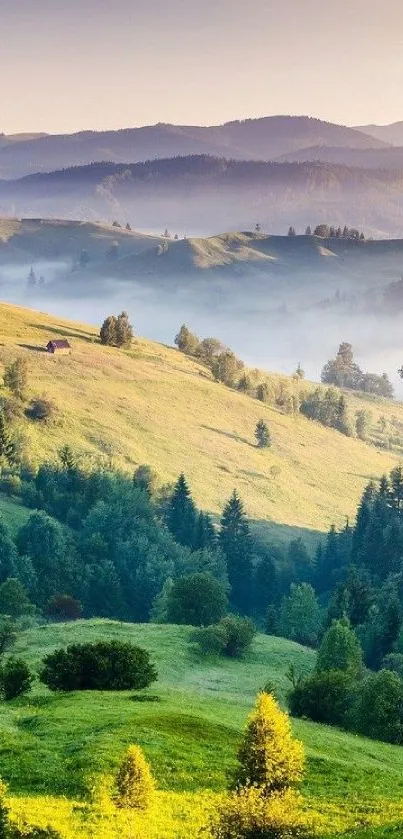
x: 55, y: 748
x: 154, y: 405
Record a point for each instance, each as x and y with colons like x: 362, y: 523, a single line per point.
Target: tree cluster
x: 343, y: 371
x: 116, y: 331
x: 340, y: 692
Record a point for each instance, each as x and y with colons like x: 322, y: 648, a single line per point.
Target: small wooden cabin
x: 60, y: 346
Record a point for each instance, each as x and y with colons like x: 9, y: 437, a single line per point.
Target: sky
x: 68, y: 65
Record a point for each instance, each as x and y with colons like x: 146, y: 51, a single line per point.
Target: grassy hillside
x: 151, y: 404
x: 51, y: 745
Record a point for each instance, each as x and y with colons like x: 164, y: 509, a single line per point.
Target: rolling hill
x: 152, y: 404
x: 259, y: 139
x: 189, y: 724
x: 202, y: 194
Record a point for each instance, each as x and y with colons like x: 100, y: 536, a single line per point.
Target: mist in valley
x: 270, y: 323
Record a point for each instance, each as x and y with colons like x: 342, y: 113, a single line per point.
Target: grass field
x: 189, y: 725
x: 153, y: 405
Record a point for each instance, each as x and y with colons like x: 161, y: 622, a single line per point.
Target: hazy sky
x: 72, y: 64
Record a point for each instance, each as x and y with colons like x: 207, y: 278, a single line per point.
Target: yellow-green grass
x: 56, y: 748
x: 152, y: 404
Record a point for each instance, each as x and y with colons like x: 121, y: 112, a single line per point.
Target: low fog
x: 269, y: 324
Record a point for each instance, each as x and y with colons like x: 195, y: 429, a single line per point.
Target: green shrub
x: 15, y: 678
x: 211, y: 639
x: 231, y: 637
x: 322, y: 697
x: 377, y: 710
x: 41, y: 409
x: 240, y: 634
x: 63, y: 607
x: 106, y: 665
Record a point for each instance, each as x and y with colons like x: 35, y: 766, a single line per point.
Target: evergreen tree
x: 124, y: 330
x: 205, y: 538
x: 269, y: 757
x: 300, y: 616
x: 236, y: 544
x: 340, y: 650
x: 308, y: 231
x: 108, y: 331
x: 7, y: 446
x: 262, y: 435
x: 181, y: 514
x: 16, y: 377
x: 134, y: 782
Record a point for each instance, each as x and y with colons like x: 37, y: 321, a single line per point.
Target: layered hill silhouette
x: 202, y: 194
x: 261, y: 139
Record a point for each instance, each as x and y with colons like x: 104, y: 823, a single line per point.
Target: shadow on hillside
x: 68, y: 333
x: 33, y: 347
x: 230, y: 436
x: 272, y: 532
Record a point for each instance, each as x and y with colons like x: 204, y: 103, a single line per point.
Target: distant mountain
x: 200, y: 194
x: 387, y: 157
x: 252, y: 139
x: 391, y: 134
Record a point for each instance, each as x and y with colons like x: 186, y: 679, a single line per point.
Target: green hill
x: 189, y: 724
x: 152, y: 404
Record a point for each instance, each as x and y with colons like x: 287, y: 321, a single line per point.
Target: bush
x: 322, y: 697
x: 134, y: 782
x: 106, y: 665
x: 62, y: 607
x: 211, y: 639
x: 377, y: 711
x: 15, y: 678
x: 248, y: 815
x: 41, y: 409
x: 231, y: 637
x: 240, y: 634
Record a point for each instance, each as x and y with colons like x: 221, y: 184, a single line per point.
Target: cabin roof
x: 59, y: 344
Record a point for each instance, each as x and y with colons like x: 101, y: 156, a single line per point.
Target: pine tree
x: 134, y: 781
x: 308, y: 231
x: 270, y: 759
x: 124, y: 330
x: 108, y: 331
x: 262, y: 435
x: 235, y: 541
x: 205, y: 535
x: 32, y: 278
x: 7, y: 446
x: 16, y: 377
x: 181, y: 514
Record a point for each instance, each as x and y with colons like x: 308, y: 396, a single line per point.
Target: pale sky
x: 67, y: 65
